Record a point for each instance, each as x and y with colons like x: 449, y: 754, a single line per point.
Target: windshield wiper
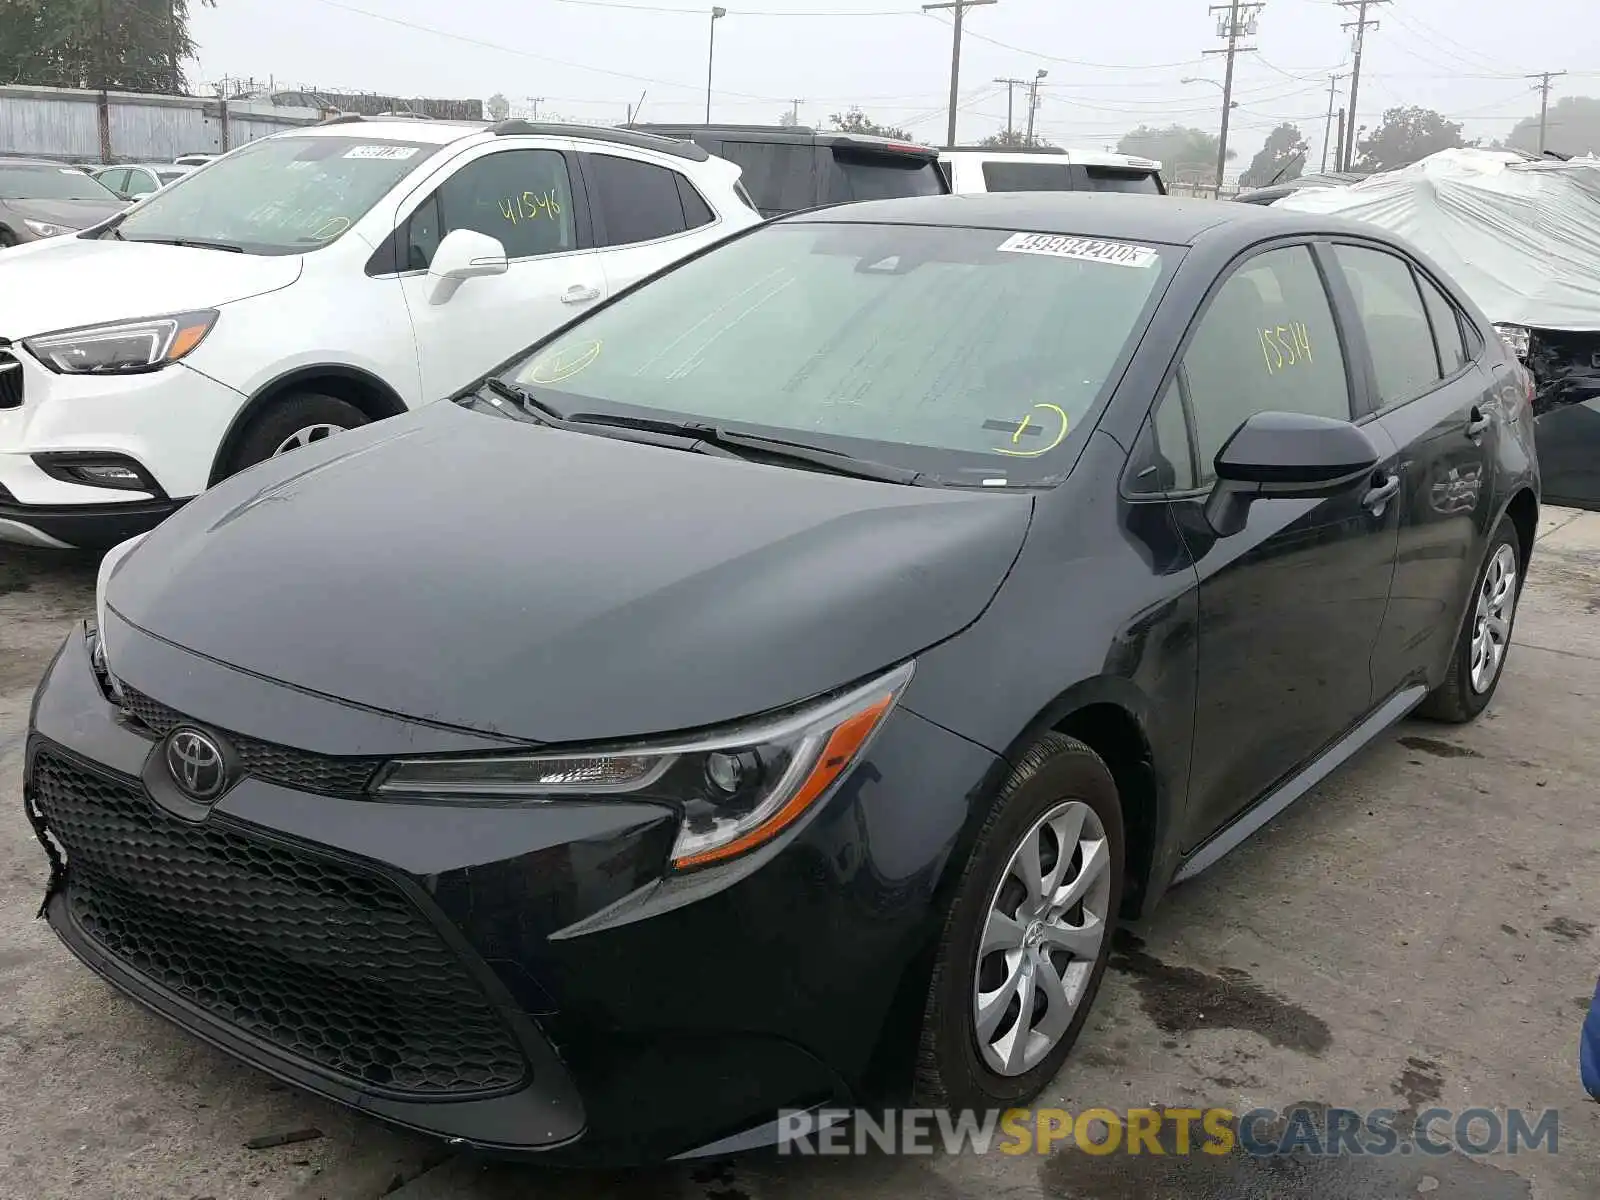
x: 776, y: 448
x: 526, y: 402
x: 195, y: 243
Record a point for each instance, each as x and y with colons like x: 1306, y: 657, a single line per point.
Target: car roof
x: 147, y: 166
x: 440, y: 133
x: 1083, y: 158
x: 1164, y: 219
x: 18, y: 160
x: 787, y: 134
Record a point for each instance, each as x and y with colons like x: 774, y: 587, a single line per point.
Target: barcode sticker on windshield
x: 390, y: 152
x: 1122, y: 254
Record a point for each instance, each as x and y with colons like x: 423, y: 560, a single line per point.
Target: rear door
x: 531, y: 201
x: 1434, y: 396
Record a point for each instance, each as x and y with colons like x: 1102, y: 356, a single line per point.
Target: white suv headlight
x: 125, y: 347
x: 735, y: 790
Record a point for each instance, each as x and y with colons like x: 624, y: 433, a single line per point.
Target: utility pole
x: 959, y: 8
x: 1338, y: 156
x: 1327, y: 129
x: 711, y: 50
x: 535, y: 101
x: 794, y: 112
x: 1011, y: 88
x: 1033, y: 103
x: 1544, y: 78
x: 1360, y: 25
x: 1238, y: 20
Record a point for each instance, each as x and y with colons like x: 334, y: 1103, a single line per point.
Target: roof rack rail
x: 403, y: 116
x: 723, y: 125
x: 342, y: 119
x: 517, y: 127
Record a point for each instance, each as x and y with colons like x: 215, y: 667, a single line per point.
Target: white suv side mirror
x: 463, y: 254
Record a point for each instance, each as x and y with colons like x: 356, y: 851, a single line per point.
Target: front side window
x: 1163, y: 458
x: 278, y: 195
x: 637, y: 201
x: 140, y: 183
x: 45, y: 182
x: 1027, y: 177
x: 521, y: 198
x: 969, y: 354
x: 1447, y: 323
x: 1390, y: 309
x: 116, y: 181
x: 1267, y: 343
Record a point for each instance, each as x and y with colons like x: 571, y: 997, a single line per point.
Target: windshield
x: 968, y: 354
x: 50, y: 183
x: 279, y: 195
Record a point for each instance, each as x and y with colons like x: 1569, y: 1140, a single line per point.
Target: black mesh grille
x: 277, y: 764
x: 335, y: 965
x: 10, y: 380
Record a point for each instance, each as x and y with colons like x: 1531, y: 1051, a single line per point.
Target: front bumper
x: 519, y: 979
x: 169, y: 422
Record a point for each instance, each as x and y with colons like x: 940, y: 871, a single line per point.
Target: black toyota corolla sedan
x: 770, y: 689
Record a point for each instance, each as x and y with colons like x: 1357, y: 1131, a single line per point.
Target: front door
x: 1290, y: 608
x: 528, y: 201
x: 1438, y: 405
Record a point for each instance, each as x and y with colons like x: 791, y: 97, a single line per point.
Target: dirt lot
x: 1420, y: 931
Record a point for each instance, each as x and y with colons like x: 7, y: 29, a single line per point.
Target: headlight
x: 47, y: 228
x: 108, y: 564
x: 125, y: 347
x: 1516, y: 338
x: 735, y: 790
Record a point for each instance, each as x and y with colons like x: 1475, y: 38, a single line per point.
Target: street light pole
x: 711, y: 51
x: 1033, y: 104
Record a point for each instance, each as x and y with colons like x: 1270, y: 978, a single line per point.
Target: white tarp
x: 1521, y: 237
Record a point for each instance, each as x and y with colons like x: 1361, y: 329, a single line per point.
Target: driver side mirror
x: 463, y: 254
x: 1279, y: 455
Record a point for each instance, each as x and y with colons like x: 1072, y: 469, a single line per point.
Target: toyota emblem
x: 196, y: 763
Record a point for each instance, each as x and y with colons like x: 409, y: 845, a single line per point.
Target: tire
x: 266, y: 434
x: 7, y: 238
x: 1462, y: 696
x: 952, y: 1069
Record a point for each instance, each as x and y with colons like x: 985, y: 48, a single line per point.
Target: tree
x: 498, y: 107
x: 1404, y: 136
x: 124, y: 45
x: 856, y: 121
x: 1010, y: 139
x: 1573, y: 128
x: 1176, y: 147
x: 788, y: 118
x: 1283, y: 157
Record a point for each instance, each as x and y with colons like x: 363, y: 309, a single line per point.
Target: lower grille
x: 10, y: 380
x: 266, y: 760
x: 331, y: 963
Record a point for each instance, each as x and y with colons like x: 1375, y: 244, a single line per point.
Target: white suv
x: 310, y: 282
x: 1049, y: 169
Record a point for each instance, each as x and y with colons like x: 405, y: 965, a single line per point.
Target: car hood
x: 513, y: 579
x: 59, y: 283
x: 75, y: 214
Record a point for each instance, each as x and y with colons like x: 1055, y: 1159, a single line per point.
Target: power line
x: 1360, y: 25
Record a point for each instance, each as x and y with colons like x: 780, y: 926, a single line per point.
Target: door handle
x: 1382, y: 493
x: 1477, y: 423
x: 579, y: 294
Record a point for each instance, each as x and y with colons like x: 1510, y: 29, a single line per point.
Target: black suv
x: 790, y: 167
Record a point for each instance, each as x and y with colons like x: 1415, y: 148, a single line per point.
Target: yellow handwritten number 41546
x: 530, y: 206
x: 1285, y: 346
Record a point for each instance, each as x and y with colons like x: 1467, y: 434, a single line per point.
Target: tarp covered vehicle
x: 1523, y: 238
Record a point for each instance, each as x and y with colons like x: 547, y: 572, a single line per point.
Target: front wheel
x: 1026, y: 941
x: 1479, y: 657
x: 7, y: 238
x: 299, y: 419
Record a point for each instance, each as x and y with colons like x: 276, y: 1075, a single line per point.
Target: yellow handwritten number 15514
x: 1285, y: 346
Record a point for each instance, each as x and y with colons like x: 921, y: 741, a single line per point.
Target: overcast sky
x: 1111, y: 65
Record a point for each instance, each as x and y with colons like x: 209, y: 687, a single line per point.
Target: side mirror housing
x: 1279, y: 455
x: 463, y: 254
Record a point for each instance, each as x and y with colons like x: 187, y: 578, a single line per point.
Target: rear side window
x: 1119, y: 179
x: 637, y: 201
x: 1027, y: 177
x: 522, y: 198
x: 778, y: 175
x: 1391, y: 312
x: 1447, y: 334
x: 857, y: 176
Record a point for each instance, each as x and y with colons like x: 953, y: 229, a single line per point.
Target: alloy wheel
x: 1491, y: 629
x: 1041, y: 938
x: 306, y: 436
